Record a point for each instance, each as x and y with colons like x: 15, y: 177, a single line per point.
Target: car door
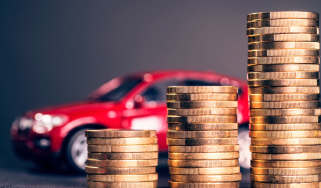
x: 150, y: 111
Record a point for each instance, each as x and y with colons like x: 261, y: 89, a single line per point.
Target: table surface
x: 39, y: 178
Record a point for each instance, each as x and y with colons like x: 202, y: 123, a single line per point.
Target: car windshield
x: 123, y: 88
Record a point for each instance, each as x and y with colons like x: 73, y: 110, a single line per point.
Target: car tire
x: 244, y: 141
x: 76, y: 151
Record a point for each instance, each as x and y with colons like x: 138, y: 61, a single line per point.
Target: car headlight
x: 45, y: 122
x: 25, y: 123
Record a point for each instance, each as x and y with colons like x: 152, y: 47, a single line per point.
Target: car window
x: 200, y: 83
x: 123, y: 89
x: 157, y: 91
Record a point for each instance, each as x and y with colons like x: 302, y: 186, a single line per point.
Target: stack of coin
x: 122, y: 158
x: 202, y: 136
x: 283, y: 78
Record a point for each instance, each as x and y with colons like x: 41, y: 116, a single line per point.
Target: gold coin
x: 286, y: 164
x: 202, y: 104
x: 201, y: 141
x: 202, y: 89
x: 123, y: 178
x: 284, y: 97
x: 287, y: 156
x: 282, y: 30
x: 204, y: 185
x: 286, y: 171
x: 283, y: 15
x: 284, y: 90
x: 288, y: 104
x: 284, y: 45
x: 121, y: 163
x: 281, y: 75
x: 202, y: 111
x: 284, y: 60
x: 285, y: 134
x: 284, y: 119
x: 284, y: 68
x: 202, y: 96
x: 113, y: 133
x: 207, y: 178
x: 202, y: 119
x: 202, y: 134
x: 202, y: 127
x: 148, y: 184
x: 204, y: 156
x: 203, y: 148
x: 318, y: 111
x: 285, y: 141
x: 284, y: 82
x: 203, y: 163
x: 283, y: 112
x: 123, y: 156
x: 285, y: 127
x: 284, y: 38
x: 287, y: 185
x: 285, y: 149
x: 286, y: 179
x: 122, y: 148
x: 113, y: 170
x: 200, y: 171
x: 283, y: 23
x: 123, y: 141
x: 282, y: 52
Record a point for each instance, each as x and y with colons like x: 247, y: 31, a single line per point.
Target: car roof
x: 161, y: 74
x: 183, y: 73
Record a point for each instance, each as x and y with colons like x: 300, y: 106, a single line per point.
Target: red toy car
x: 136, y: 101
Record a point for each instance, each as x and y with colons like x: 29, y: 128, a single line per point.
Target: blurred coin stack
x: 122, y: 158
x: 202, y: 137
x: 283, y: 78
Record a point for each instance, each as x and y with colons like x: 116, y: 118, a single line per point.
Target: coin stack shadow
x: 203, y: 149
x: 283, y: 78
x: 121, y: 158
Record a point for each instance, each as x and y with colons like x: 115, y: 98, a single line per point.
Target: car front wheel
x: 76, y: 151
x: 244, y: 143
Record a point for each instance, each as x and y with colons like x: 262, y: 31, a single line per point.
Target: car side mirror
x: 139, y: 101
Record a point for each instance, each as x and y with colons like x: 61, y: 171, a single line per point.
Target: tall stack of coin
x: 122, y: 158
x: 202, y: 136
x: 283, y: 78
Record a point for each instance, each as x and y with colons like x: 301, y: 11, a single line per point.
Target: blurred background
x: 54, y: 52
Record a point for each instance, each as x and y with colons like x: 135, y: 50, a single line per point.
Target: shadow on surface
x: 53, y: 172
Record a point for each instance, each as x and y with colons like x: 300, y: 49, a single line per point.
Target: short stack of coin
x: 122, y: 158
x: 202, y: 137
x: 283, y: 78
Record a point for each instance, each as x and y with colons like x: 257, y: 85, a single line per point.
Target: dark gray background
x: 55, y: 52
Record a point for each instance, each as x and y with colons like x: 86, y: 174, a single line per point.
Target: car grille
x: 24, y: 132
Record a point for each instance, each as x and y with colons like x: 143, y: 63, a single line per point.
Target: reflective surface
x: 32, y: 177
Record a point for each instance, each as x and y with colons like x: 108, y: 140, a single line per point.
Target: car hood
x: 71, y: 108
